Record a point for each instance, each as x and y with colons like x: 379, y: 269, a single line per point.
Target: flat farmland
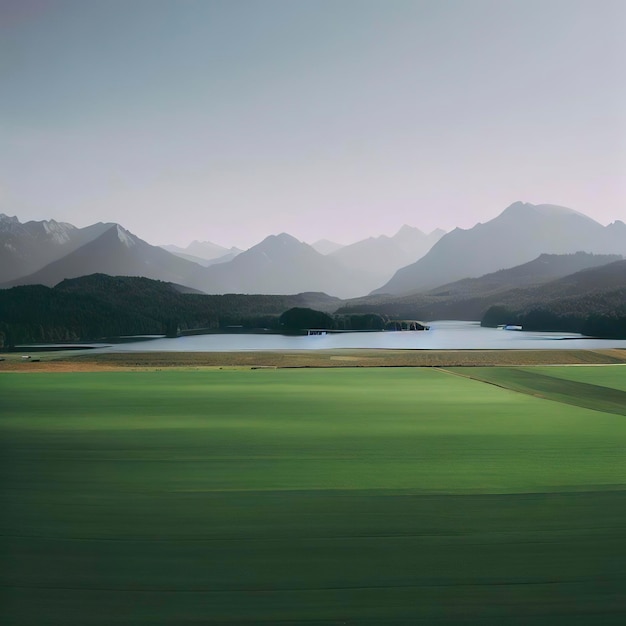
x: 313, y: 496
x: 612, y: 377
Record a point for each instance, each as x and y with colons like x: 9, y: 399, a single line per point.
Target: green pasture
x: 585, y: 388
x: 613, y: 376
x: 350, y: 496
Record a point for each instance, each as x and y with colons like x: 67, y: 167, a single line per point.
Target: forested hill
x: 97, y: 306
x: 468, y: 299
x: 592, y: 301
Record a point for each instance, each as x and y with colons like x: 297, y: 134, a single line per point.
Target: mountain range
x: 325, y: 246
x: 117, y: 252
x: 469, y: 299
x: 48, y: 252
x: 26, y: 248
x: 204, y: 253
x: 409, y: 262
x: 380, y: 257
x: 282, y: 264
x: 519, y: 234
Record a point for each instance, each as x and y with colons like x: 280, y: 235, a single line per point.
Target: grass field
x: 598, y: 390
x: 343, y: 496
x: 612, y: 377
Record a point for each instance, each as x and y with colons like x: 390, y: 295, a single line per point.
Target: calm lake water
x: 445, y: 335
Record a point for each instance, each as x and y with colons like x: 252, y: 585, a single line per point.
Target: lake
x: 443, y: 335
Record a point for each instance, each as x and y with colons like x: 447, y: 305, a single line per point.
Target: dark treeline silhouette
x: 99, y: 306
x: 601, y: 316
x: 302, y: 318
x: 591, y: 301
x: 299, y: 318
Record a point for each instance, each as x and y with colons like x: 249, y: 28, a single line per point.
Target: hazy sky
x: 228, y: 120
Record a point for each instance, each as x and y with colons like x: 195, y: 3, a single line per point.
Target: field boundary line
x: 611, y: 401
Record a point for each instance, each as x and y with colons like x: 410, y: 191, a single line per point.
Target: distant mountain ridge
x: 26, y: 248
x: 325, y: 246
x: 204, y: 253
x: 117, y: 252
x: 47, y: 252
x: 379, y: 257
x: 470, y: 298
x: 282, y: 264
x: 543, y: 269
x: 279, y: 264
x: 519, y: 234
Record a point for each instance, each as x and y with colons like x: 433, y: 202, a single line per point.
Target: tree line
x: 601, y: 316
x: 99, y: 306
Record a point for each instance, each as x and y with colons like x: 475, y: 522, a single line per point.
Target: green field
x: 350, y: 496
x: 605, y: 376
x: 589, y: 387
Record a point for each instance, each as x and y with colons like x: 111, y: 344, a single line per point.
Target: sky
x: 230, y: 120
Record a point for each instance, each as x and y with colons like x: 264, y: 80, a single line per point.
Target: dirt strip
x: 68, y: 362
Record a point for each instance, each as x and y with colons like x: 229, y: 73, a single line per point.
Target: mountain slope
x: 204, y: 252
x: 380, y: 257
x: 607, y: 277
x: 519, y: 234
x: 116, y: 252
x: 470, y: 298
x: 414, y: 241
x: 325, y: 246
x: 278, y: 265
x: 26, y: 248
x: 592, y: 301
x: 281, y: 264
x: 544, y: 268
